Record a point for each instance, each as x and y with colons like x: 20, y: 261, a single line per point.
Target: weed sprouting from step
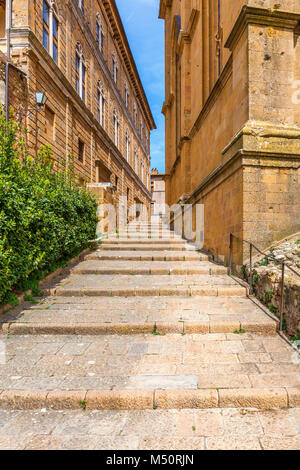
x: 241, y: 331
x: 155, y: 332
x: 83, y: 404
x: 155, y: 407
x: 193, y: 428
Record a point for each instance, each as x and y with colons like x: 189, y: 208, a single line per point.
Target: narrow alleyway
x: 147, y: 345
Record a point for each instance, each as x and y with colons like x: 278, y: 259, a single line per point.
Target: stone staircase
x: 146, y: 322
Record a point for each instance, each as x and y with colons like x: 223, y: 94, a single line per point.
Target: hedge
x: 46, y: 218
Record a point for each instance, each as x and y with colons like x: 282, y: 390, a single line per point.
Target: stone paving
x: 227, y: 429
x: 147, y: 362
x: 159, y: 347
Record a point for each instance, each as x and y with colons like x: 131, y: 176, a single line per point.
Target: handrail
x: 283, y: 270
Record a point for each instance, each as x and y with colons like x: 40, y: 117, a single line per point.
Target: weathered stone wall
x: 267, y: 288
x: 232, y: 122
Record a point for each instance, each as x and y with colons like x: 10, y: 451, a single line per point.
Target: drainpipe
x: 8, y: 25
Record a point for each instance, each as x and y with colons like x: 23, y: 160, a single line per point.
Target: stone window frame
x: 127, y: 144
x: 136, y: 158
x: 115, y: 68
x: 99, y: 33
x: 116, y: 127
x: 135, y: 114
x: 80, y: 71
x: 126, y: 94
x: 142, y: 170
x: 49, y: 28
x: 147, y: 141
x: 141, y: 129
x: 100, y: 103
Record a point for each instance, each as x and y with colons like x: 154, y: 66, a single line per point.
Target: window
x: 142, y: 170
x: 115, y: 68
x: 116, y: 128
x: 80, y: 151
x: 116, y: 182
x: 147, y: 142
x: 81, y: 5
x: 134, y: 114
x: 126, y: 95
x: 99, y: 33
x: 50, y: 29
x: 135, y: 160
x: 80, y: 72
x: 49, y: 124
x: 141, y: 129
x: 127, y: 145
x: 100, y: 104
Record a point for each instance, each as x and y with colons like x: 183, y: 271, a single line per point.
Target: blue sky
x: 145, y: 33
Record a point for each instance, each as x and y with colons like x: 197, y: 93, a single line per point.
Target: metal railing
x: 284, y: 265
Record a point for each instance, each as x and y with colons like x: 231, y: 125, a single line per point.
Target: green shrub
x: 46, y: 218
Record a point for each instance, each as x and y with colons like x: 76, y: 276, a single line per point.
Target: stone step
x: 147, y: 247
x: 142, y: 241
x: 148, y: 371
x: 147, y: 268
x: 144, y: 285
x: 147, y: 256
x: 135, y: 315
x: 146, y: 235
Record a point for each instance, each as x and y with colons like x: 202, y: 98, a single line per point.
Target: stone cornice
x: 186, y: 36
x: 261, y: 16
x: 167, y: 103
x: 256, y: 134
x: 248, y: 158
x: 164, y: 4
x: 37, y: 52
x: 121, y: 38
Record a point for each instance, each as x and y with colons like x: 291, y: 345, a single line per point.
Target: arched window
x: 99, y: 33
x: 116, y: 128
x: 50, y: 28
x: 134, y: 114
x: 147, y: 142
x: 100, y: 103
x: 127, y: 145
x: 80, y: 71
x: 115, y: 68
x: 126, y: 95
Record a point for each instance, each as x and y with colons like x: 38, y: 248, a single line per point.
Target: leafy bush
x: 46, y: 218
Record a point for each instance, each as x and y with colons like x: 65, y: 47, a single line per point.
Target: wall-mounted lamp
x: 41, y: 98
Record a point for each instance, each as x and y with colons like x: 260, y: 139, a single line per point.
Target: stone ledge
x: 179, y: 327
x: 254, y: 398
x: 264, y: 399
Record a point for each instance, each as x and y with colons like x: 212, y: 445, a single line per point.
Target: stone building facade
x: 77, y: 53
x: 158, y: 195
x: 233, y: 116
